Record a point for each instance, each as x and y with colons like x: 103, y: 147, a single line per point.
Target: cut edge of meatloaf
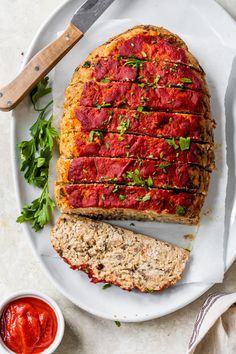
x: 119, y: 94
x: 110, y: 69
x: 117, y: 256
x: 133, y: 172
x: 198, y: 128
x: 105, y: 50
x: 103, y: 201
x: 76, y: 145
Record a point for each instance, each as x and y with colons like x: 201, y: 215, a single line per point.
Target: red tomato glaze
x: 28, y: 325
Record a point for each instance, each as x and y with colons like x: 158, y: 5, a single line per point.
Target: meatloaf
x: 137, y: 131
x: 117, y: 256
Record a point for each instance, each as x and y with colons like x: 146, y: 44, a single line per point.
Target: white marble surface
x: 85, y: 334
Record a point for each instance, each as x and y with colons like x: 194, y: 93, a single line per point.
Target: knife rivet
x: 36, y: 68
x: 67, y: 37
x: 1, y: 94
x: 9, y: 103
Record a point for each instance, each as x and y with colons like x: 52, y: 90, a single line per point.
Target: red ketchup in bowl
x: 28, y: 325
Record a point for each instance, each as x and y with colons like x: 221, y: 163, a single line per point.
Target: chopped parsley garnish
x: 142, y: 85
x: 122, y: 197
x: 171, y: 142
x: 105, y: 80
x: 140, y: 108
x: 184, y: 143
x: 157, y: 79
x: 145, y: 198
x: 135, y: 63
x: 35, y: 155
x: 103, y: 105
x: 137, y: 180
x: 117, y: 323
x: 116, y: 188
x: 135, y: 116
x: 161, y: 154
x: 149, y: 291
x: 149, y: 181
x: 122, y: 127
x: 143, y: 99
x: 163, y: 166
x: 95, y: 133
x: 106, y: 286
x: 180, y: 210
x: 186, y: 80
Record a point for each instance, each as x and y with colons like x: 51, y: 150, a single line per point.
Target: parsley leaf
x: 106, y: 286
x: 39, y: 91
x: 134, y: 62
x: 122, y: 197
x: 186, y: 80
x: 117, y: 323
x: 122, y: 127
x: 180, y: 210
x: 184, y: 143
x: 96, y: 133
x: 38, y: 212
x: 104, y: 104
x: 35, y: 155
x: 171, y: 142
x: 145, y: 198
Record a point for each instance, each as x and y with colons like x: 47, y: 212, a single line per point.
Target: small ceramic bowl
x: 38, y: 295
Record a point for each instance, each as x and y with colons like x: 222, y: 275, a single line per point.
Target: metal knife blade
x: 89, y: 12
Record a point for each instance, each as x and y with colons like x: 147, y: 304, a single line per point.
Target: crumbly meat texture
x: 82, y: 119
x: 147, y: 173
x: 129, y: 202
x: 118, y: 256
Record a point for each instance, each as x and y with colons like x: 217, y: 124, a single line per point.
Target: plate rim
x: 15, y: 168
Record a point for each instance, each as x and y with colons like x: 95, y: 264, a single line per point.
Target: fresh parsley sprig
x: 35, y: 155
x: 38, y: 212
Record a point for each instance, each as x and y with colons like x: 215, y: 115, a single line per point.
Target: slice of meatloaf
x: 129, y: 202
x: 117, y: 256
x: 158, y: 124
x: 148, y: 173
x: 132, y: 96
x: 145, y: 72
x: 149, y: 42
x: 136, y: 146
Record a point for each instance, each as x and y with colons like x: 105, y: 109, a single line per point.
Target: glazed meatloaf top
x: 137, y: 131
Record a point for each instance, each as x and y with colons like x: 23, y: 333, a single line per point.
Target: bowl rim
x: 48, y: 300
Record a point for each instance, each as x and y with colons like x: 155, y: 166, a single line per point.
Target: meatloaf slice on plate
x: 117, y: 256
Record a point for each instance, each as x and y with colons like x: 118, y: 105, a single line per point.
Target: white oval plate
x: 202, y: 18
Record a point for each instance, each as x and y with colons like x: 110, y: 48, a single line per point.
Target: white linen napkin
x: 214, y: 331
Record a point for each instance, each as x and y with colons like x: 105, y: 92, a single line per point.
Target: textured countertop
x: 85, y: 334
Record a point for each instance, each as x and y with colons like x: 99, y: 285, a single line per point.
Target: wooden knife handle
x: 38, y: 67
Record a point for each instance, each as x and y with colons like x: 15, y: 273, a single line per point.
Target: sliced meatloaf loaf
x: 117, y: 256
x: 137, y: 132
x: 198, y: 128
x: 145, y: 72
x: 146, y: 173
x: 129, y: 202
x: 136, y: 146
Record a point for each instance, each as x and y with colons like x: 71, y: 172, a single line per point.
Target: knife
x: 49, y: 56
